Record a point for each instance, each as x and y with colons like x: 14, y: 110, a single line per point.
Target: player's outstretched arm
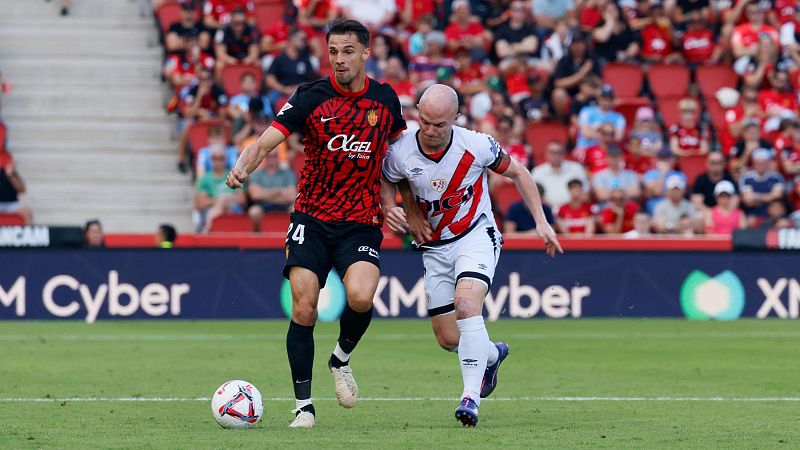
x: 417, y: 221
x: 527, y: 189
x: 252, y: 156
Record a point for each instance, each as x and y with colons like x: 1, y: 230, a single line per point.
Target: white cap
x: 675, y: 182
x: 724, y: 187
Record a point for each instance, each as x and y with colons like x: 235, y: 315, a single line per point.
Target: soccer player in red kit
x: 347, y: 121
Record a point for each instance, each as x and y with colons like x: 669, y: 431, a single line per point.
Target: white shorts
x: 473, y: 256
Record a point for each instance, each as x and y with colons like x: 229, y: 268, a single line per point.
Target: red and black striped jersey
x: 345, y: 135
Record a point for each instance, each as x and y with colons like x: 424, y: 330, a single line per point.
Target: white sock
x: 494, y: 353
x: 339, y: 353
x: 300, y: 403
x: 472, y: 353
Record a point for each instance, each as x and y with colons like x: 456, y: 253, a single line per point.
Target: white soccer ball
x: 237, y: 404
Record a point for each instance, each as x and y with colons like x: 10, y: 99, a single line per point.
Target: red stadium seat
x: 268, y: 12
x: 232, y: 223
x: 625, y: 78
x: 231, y: 76
x: 168, y: 13
x: 668, y: 107
x: 539, y: 134
x: 3, y: 133
x: 197, y: 134
x: 275, y: 222
x: 504, y: 195
x: 692, y: 166
x: 11, y: 219
x: 711, y: 78
x: 668, y: 80
x: 716, y: 113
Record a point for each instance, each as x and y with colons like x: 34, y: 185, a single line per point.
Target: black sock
x: 352, y: 325
x: 300, y: 347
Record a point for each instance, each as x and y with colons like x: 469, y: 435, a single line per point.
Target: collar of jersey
x: 440, y: 154
x: 346, y: 93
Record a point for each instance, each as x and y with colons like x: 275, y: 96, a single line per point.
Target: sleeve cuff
x: 277, y: 125
x: 389, y: 178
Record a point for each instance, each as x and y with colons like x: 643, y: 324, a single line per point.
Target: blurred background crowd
x: 636, y: 117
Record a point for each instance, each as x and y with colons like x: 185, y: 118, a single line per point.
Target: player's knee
x: 304, y: 313
x: 359, y: 301
x: 447, y: 341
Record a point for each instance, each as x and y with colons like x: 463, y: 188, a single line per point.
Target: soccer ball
x: 237, y: 404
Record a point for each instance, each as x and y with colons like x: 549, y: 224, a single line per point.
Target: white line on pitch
x: 393, y: 337
x: 416, y: 399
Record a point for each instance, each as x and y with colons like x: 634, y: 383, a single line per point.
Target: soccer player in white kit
x: 446, y: 169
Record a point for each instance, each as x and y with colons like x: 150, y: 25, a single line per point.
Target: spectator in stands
x: 317, y: 13
x: 547, y: 14
x: 165, y: 236
x: 617, y: 215
x: 237, y: 43
x: 779, y: 101
x: 554, y: 46
x: 464, y: 31
x: 704, y: 192
x: 212, y: 197
x: 685, y: 10
x: 204, y: 100
x: 423, y: 67
x: 184, y: 32
x: 790, y: 35
x: 469, y: 77
x: 788, y: 150
x: 724, y: 217
x: 636, y: 159
x: 239, y: 104
x: 586, y: 96
x: 11, y: 187
x: 217, y: 139
x: 379, y: 57
x: 516, y: 37
x: 736, y: 118
x: 594, y: 118
x: 755, y: 70
x: 614, y: 40
x: 698, y: 45
x: 219, y: 13
x: 615, y: 176
x: 397, y: 77
x: 759, y: 187
x: 595, y: 158
x: 745, y: 37
x: 655, y: 180
x: 519, y: 221
x: 776, y: 216
x: 374, y: 14
x: 689, y: 137
x: 647, y: 131
x: 576, y: 216
x: 668, y: 214
x: 508, y: 134
x: 658, y: 37
x: 573, y: 67
x: 750, y: 142
x: 93, y: 234
x: 290, y: 68
x: 270, y: 189
x: 181, y: 70
x: 417, y: 43
x: 556, y: 173
x: 641, y: 227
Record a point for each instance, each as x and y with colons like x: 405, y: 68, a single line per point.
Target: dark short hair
x: 348, y: 26
x: 574, y: 182
x: 169, y: 232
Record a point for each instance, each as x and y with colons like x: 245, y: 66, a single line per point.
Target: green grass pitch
x: 566, y: 384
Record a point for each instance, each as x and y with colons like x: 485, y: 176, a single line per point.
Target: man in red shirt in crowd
x: 595, y: 158
x: 180, y: 70
x: 744, y: 39
x: 788, y: 149
x: 217, y: 13
x: 747, y: 109
x: 779, y: 101
x: 465, y: 31
x: 657, y: 38
x: 576, y: 216
x: 617, y: 216
x: 697, y: 43
x: 688, y: 137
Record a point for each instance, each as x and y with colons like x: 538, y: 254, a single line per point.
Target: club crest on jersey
x: 372, y: 117
x: 439, y: 184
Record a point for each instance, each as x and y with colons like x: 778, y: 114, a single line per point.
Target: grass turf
x: 399, y: 359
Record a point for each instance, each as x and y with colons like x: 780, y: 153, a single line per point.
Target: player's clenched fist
x: 236, y: 178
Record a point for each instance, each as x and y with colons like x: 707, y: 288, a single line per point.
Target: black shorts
x: 318, y: 246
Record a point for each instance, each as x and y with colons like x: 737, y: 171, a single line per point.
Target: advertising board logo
x: 331, y: 298
x: 717, y: 298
